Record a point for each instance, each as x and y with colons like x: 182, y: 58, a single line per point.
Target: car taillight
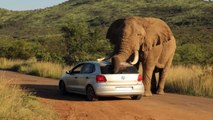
x: 100, y: 78
x: 140, y: 78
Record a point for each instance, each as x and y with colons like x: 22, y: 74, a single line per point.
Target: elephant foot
x: 160, y: 92
x: 147, y: 94
x: 154, y: 90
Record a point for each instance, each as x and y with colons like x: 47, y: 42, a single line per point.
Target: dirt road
x: 74, y: 107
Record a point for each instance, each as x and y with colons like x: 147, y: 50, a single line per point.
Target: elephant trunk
x: 124, y: 53
x: 117, y: 60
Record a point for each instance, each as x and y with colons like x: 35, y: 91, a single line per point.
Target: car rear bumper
x: 104, y: 90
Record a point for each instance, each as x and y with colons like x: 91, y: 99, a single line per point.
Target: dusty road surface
x: 74, y: 107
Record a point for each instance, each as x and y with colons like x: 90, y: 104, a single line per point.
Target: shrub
x: 82, y: 43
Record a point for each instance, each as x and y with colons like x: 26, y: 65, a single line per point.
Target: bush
x: 190, y: 54
x: 82, y: 43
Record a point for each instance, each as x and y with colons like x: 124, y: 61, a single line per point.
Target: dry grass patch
x: 47, y: 69
x: 33, y: 67
x: 8, y: 63
x: 19, y: 105
x: 192, y: 80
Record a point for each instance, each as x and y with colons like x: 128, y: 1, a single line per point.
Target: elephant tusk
x: 136, y: 58
x: 105, y: 58
x: 101, y: 59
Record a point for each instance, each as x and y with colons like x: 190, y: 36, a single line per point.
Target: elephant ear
x: 140, y: 36
x: 114, y: 30
x: 151, y: 40
x: 164, y: 35
x: 155, y: 39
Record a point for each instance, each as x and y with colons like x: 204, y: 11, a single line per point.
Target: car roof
x: 96, y: 62
x: 104, y: 63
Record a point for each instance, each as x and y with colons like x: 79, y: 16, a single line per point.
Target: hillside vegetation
x: 75, y: 30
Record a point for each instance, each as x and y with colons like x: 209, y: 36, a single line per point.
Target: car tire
x: 62, y: 88
x: 90, y: 94
x: 136, y: 97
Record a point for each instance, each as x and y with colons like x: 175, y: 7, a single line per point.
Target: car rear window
x: 108, y: 69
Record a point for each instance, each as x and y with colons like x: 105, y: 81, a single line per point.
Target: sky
x: 20, y: 5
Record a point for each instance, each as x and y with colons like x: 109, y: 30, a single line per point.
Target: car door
x: 73, y: 78
x: 86, y: 74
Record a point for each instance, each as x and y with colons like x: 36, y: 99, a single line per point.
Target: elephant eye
x: 139, y: 34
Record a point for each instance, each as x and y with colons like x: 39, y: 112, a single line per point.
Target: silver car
x: 95, y: 79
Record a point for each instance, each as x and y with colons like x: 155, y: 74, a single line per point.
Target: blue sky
x: 28, y: 4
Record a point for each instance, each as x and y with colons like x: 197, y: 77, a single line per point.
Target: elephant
x: 147, y: 40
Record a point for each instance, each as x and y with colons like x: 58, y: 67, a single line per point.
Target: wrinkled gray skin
x: 152, y: 39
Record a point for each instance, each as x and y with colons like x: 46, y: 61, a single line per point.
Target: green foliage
x: 191, y: 54
x: 75, y: 35
x: 25, y: 49
x: 82, y: 43
x: 17, y: 49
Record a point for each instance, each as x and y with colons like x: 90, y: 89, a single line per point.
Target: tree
x: 75, y: 36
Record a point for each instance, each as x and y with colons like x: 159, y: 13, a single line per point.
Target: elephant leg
x: 162, y: 76
x: 161, y: 82
x: 153, y: 83
x: 147, y: 76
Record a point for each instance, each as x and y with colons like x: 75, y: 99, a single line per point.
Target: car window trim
x: 93, y: 68
x: 77, y: 67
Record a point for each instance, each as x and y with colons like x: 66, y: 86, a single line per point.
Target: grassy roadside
x: 191, y: 80
x: 32, y: 67
x: 19, y: 105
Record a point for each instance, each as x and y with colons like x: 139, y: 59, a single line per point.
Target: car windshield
x: 108, y: 69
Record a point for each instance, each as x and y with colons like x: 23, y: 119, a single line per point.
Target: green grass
x: 19, y: 105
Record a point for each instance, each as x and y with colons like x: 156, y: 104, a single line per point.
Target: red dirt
x: 74, y: 107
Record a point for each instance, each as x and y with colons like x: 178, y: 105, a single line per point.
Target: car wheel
x: 90, y: 94
x: 136, y: 97
x: 62, y: 88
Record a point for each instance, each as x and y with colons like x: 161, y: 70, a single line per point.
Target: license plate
x: 123, y: 88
